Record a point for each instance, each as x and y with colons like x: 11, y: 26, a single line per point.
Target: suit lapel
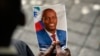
x: 58, y: 35
x: 47, y: 38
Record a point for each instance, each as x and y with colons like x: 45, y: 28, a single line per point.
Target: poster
x: 50, y: 21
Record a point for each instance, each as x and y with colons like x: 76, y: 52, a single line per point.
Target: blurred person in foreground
x: 11, y: 15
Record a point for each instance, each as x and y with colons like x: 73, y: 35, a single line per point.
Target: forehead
x: 48, y: 11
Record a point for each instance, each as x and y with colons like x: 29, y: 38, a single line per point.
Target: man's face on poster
x: 49, y: 19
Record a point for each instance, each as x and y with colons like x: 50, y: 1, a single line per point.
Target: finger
x: 41, y: 53
x: 50, y: 49
x: 58, y: 48
x: 67, y: 51
x: 52, y: 46
x: 54, y: 43
x: 58, y: 45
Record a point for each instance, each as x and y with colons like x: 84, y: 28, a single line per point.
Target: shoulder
x: 22, y: 48
x: 41, y: 31
x: 19, y: 43
x: 62, y: 31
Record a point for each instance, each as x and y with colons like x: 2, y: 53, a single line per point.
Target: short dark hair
x: 48, y: 9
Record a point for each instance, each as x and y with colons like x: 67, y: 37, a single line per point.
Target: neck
x: 53, y: 31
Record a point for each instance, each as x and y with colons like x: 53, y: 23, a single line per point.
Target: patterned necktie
x: 53, y: 37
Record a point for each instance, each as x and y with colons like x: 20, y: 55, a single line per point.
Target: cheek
x: 55, y: 21
x: 46, y: 23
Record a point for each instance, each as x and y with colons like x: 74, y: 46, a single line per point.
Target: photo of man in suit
x: 50, y: 33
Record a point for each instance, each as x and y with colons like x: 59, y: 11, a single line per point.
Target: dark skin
x: 49, y: 18
x: 56, y: 45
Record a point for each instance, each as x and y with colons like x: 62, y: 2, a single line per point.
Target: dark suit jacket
x: 44, y: 40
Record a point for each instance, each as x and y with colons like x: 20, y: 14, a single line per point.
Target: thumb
x: 50, y: 49
x: 58, y: 48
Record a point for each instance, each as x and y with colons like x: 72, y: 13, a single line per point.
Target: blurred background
x: 83, y: 22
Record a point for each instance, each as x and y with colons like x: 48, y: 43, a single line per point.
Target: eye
x: 54, y: 17
x: 46, y: 18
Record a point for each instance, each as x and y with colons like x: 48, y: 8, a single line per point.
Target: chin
x: 52, y: 29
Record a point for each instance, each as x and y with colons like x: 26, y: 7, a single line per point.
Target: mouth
x: 52, y: 24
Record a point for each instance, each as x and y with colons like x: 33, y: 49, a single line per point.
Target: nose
x: 51, y: 20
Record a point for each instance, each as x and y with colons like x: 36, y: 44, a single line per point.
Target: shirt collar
x: 49, y: 32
